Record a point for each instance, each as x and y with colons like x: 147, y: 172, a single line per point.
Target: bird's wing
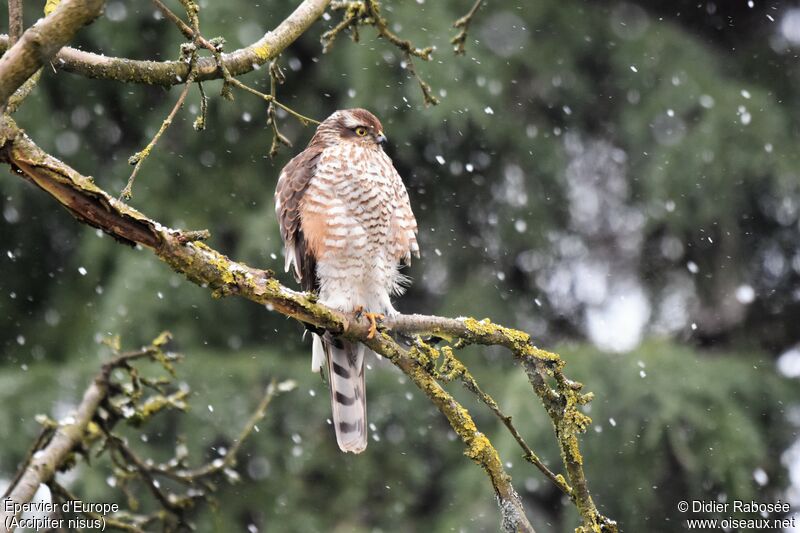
x: 292, y: 185
x: 404, y: 225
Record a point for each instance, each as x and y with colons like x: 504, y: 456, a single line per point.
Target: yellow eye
x: 361, y: 131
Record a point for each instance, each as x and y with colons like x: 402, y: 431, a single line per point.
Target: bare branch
x: 168, y: 73
x: 463, y: 25
x: 215, y: 46
x: 138, y: 158
x: 368, y: 13
x: 41, y: 41
x: 229, y: 460
x: 108, y: 401
x: 270, y: 98
x: 452, y: 369
x: 175, y: 19
x: 63, y: 493
x: 15, y: 23
x: 69, y: 433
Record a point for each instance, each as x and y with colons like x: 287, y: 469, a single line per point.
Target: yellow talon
x: 373, y: 324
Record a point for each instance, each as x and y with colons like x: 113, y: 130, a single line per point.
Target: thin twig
x: 374, y: 11
x: 368, y: 13
x: 427, y: 92
x: 138, y: 158
x: 175, y: 19
x: 142, y: 468
x: 215, y: 46
x: 15, y: 21
x: 192, y: 11
x: 229, y: 459
x: 190, y: 32
x: 200, y: 121
x: 451, y: 369
x: 108, y: 521
x: 304, y: 120
x: 37, y: 444
x: 463, y: 25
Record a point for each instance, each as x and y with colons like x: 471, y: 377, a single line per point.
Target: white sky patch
x: 790, y: 26
x: 618, y: 324
x: 789, y: 363
x: 745, y: 294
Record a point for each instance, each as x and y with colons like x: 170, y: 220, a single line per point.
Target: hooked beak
x: 381, y: 138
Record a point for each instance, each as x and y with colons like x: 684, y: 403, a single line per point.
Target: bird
x: 347, y: 227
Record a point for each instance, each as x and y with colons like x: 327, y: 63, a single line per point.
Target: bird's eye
x: 361, y: 131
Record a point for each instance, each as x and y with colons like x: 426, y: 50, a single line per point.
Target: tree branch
x: 69, y: 433
x: 15, y: 22
x: 368, y: 13
x: 40, y: 42
x: 168, y: 73
x: 138, y: 158
x: 107, y: 401
x: 208, y: 268
x: 462, y: 24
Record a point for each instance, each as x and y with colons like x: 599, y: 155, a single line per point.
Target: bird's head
x: 357, y: 126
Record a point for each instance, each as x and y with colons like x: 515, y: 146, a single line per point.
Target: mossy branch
x: 40, y: 42
x: 69, y: 433
x: 116, y: 394
x: 208, y: 268
x: 168, y: 73
x: 189, y: 52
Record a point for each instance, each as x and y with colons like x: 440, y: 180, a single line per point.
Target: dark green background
x: 595, y: 154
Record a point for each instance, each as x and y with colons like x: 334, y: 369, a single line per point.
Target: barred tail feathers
x: 348, y: 391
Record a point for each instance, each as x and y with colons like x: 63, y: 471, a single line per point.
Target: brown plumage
x: 347, y: 227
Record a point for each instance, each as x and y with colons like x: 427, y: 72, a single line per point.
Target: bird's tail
x: 348, y: 389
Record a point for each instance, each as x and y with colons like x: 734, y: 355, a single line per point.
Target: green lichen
x: 157, y: 403
x: 221, y: 263
x: 478, y: 446
x: 263, y: 52
x: 51, y: 6
x: 485, y: 332
x: 452, y: 368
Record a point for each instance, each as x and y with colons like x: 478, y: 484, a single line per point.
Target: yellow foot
x: 373, y: 325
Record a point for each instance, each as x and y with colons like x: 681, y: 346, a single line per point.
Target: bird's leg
x: 373, y: 324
